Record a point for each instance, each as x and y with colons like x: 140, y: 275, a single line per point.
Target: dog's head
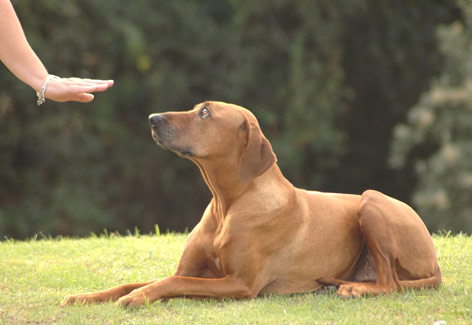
x: 213, y: 131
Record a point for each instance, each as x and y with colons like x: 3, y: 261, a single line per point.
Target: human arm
x: 22, y: 61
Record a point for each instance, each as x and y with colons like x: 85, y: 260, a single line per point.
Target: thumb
x: 84, y: 98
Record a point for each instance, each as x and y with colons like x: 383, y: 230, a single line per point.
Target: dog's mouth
x: 159, y: 142
x: 184, y: 153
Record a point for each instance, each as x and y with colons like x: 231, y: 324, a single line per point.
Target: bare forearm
x: 19, y: 57
x: 15, y: 51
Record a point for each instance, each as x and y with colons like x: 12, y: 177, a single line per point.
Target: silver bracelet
x: 41, y: 92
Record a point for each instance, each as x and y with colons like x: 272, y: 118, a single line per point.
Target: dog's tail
x: 432, y: 282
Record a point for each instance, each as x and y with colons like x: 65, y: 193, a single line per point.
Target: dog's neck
x: 226, y: 187
x: 223, y: 181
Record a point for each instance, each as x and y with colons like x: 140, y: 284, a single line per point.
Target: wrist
x: 38, y: 81
x: 40, y: 93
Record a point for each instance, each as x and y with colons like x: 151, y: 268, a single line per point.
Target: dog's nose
x: 155, y: 119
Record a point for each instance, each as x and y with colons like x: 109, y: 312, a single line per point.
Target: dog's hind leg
x: 400, y: 245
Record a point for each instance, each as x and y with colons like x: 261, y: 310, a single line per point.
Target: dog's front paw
x: 132, y: 300
x: 73, y: 299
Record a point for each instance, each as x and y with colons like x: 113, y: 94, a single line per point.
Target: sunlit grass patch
x: 36, y: 275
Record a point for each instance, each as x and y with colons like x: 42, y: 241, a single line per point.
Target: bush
x: 437, y: 138
x: 327, y: 80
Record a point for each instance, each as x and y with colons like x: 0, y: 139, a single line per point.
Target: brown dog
x: 261, y: 235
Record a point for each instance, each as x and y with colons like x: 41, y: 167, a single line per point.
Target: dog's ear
x: 257, y: 157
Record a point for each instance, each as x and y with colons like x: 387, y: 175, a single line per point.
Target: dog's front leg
x: 181, y: 286
x: 111, y: 294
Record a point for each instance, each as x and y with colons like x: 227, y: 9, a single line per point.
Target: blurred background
x: 352, y: 94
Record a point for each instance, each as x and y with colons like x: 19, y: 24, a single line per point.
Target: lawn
x: 36, y: 275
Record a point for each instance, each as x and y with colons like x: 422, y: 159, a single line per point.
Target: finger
x: 86, y: 88
x: 110, y: 83
x: 83, y: 98
x: 79, y: 81
x: 71, y: 85
x: 97, y: 86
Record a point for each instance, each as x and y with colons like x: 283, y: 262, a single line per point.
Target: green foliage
x: 437, y: 139
x: 36, y: 275
x: 390, y: 54
x: 327, y: 80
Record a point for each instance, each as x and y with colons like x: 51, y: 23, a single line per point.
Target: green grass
x: 36, y: 275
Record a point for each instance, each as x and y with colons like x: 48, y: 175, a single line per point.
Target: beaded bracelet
x: 41, y: 92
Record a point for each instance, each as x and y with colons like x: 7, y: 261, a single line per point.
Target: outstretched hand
x: 75, y: 89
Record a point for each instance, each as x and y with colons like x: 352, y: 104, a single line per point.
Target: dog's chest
x: 217, y: 263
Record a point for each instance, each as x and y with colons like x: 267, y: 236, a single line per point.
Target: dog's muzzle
x: 155, y: 120
x: 163, y: 135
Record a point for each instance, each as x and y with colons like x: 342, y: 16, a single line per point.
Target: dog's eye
x: 204, y: 112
